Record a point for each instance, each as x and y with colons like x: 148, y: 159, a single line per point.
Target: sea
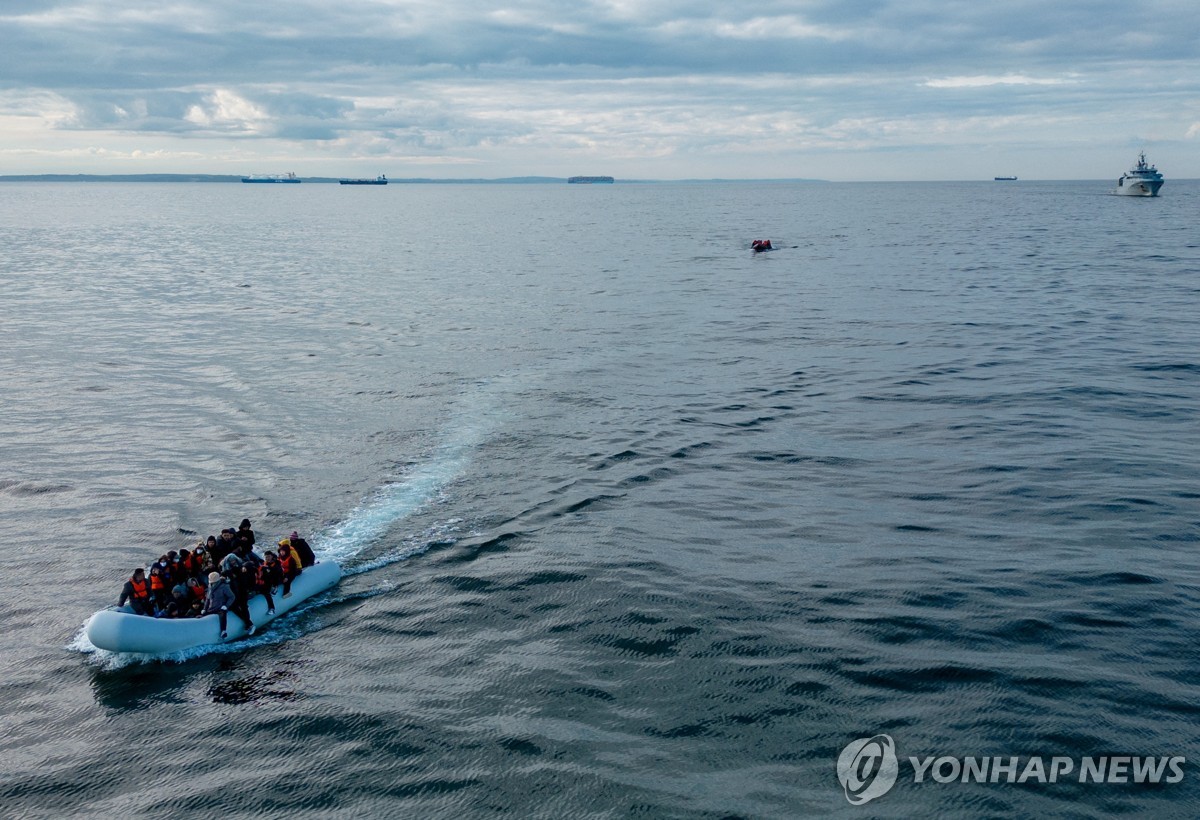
x: 634, y: 522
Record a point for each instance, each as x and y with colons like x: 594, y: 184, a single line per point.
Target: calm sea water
x: 635, y: 523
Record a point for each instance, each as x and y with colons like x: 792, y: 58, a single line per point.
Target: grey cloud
x: 291, y: 115
x: 306, y: 106
x: 153, y: 111
x: 441, y: 76
x: 271, y: 41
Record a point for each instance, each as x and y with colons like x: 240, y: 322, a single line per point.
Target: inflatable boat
x: 122, y: 630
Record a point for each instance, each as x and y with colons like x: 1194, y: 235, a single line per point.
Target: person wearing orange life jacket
x: 137, y: 592
x: 289, y: 562
x: 270, y: 576
x: 158, y: 588
x: 161, y: 564
x: 297, y: 558
x: 196, y: 595
x: 186, y: 565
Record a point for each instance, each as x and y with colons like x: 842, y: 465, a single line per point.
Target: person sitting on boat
x: 196, y: 595
x: 137, y: 592
x: 187, y: 564
x: 224, y: 545
x: 158, y: 589
x: 243, y: 582
x: 159, y: 564
x: 245, y: 585
x: 180, y: 603
x: 302, y: 549
x: 247, y: 555
x: 270, y: 576
x: 289, y: 563
x: 219, y: 600
x: 197, y: 589
x: 203, y: 560
x: 230, y: 564
x: 245, y: 533
x: 195, y: 564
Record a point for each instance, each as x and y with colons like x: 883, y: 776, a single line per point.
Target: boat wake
x: 350, y: 541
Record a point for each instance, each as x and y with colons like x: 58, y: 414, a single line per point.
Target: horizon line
x: 525, y: 179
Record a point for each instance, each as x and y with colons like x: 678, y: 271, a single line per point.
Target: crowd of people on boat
x: 218, y: 576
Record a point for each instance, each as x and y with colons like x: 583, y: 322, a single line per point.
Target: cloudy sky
x: 662, y: 89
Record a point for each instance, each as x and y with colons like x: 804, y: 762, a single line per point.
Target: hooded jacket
x: 219, y: 596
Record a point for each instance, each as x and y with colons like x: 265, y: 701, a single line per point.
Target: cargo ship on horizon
x: 379, y: 180
x: 288, y: 177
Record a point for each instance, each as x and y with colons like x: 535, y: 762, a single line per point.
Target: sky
x: 637, y: 89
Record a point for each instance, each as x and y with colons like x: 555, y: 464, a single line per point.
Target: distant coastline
x: 234, y: 178
x: 336, y: 180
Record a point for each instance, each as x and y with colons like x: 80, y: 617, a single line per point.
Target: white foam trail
x: 425, y: 484
x: 442, y: 533
x: 368, y: 522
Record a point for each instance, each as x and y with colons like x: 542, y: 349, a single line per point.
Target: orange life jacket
x: 139, y: 589
x: 285, y: 562
x: 157, y: 584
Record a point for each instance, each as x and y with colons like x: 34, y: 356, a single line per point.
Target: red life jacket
x: 285, y: 562
x: 139, y: 589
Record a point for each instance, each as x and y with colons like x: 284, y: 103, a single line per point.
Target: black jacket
x: 307, y: 558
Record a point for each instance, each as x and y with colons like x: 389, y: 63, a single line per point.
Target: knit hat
x: 213, y: 577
